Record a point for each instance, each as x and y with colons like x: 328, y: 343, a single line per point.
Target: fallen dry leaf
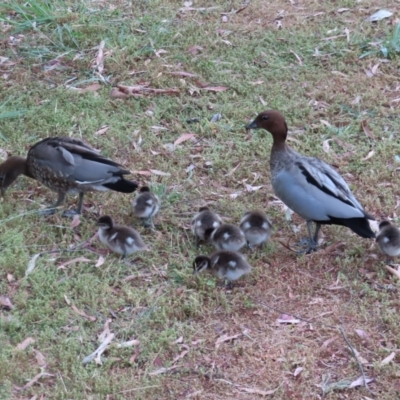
x: 40, y: 358
x: 393, y: 271
x: 195, y: 49
x: 225, y: 338
x: 78, y: 259
x: 163, y: 370
x: 362, y: 334
x: 122, y: 91
x: 102, y: 130
x: 100, y: 262
x: 83, y: 314
x: 98, y: 63
x: 250, y: 188
x: 183, y: 74
x: 75, y: 221
x: 179, y: 340
x: 369, y: 155
x: 297, y: 57
x: 183, y: 138
x: 146, y: 173
x: 32, y: 264
x: 160, y: 173
x: 215, y: 88
x: 360, y: 382
x: 257, y: 391
x: 33, y: 381
x: 181, y: 355
x: 23, y: 345
x: 388, y: 359
x: 365, y: 127
x: 297, y: 371
x: 6, y: 302
x: 232, y: 170
x: 91, y: 88
x: 129, y: 343
x: 96, y: 355
x: 106, y: 330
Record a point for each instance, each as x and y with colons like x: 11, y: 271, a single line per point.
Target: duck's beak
x: 252, y: 125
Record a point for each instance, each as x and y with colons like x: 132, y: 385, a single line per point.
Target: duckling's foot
x: 148, y: 223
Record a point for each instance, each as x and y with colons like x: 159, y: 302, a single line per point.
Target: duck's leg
x: 52, y: 209
x: 78, y: 211
x: 312, y: 240
x: 228, y: 284
x: 148, y: 222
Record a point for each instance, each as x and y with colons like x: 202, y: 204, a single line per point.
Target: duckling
x: 227, y: 237
x: 229, y: 265
x: 256, y: 228
x: 146, y: 206
x: 119, y: 239
x: 388, y: 239
x: 204, y: 221
x: 309, y: 186
x: 66, y: 165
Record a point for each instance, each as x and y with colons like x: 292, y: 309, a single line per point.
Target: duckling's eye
x: 264, y: 117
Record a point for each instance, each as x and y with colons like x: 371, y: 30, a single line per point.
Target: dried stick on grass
x: 357, y: 359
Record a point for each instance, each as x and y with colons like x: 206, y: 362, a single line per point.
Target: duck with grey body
x: 256, y: 228
x: 227, y: 237
x: 227, y: 265
x: 203, y: 223
x: 66, y: 165
x: 146, y: 205
x: 119, y: 239
x: 388, y: 239
x: 310, y: 187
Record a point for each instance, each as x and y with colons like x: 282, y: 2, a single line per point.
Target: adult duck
x: 66, y: 165
x: 309, y: 186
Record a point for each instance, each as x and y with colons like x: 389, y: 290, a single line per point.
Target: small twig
x: 293, y: 315
x: 357, y: 359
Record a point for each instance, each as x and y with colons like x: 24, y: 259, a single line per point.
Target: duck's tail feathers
x: 361, y: 227
x: 357, y: 225
x: 122, y: 185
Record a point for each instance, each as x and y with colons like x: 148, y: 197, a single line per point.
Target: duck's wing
x: 328, y: 180
x: 315, y: 191
x: 75, y: 160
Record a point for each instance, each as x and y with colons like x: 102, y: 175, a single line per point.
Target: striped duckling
x: 228, y: 237
x: 256, y: 228
x: 203, y: 223
x: 388, y: 239
x: 228, y: 265
x: 310, y: 187
x: 66, y: 165
x: 146, y: 205
x: 119, y: 239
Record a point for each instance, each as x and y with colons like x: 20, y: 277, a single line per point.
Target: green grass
x: 54, y: 46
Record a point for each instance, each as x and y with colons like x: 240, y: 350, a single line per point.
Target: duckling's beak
x: 252, y: 125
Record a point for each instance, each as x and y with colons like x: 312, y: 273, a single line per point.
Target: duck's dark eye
x: 264, y: 117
